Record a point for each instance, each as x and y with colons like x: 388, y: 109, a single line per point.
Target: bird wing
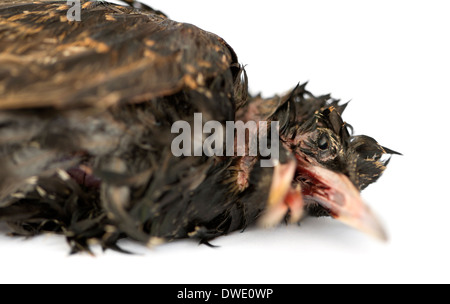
x: 114, y: 55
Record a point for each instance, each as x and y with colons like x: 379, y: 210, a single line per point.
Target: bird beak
x: 339, y: 196
x: 332, y: 191
x: 282, y: 197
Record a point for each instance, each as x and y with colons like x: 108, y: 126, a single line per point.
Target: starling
x: 87, y: 110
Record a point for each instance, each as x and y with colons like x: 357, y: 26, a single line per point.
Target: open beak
x: 333, y: 191
x: 343, y: 201
x: 283, y: 198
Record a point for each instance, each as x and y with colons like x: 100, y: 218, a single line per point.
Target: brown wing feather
x: 114, y: 55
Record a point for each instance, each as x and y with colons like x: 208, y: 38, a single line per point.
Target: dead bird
x: 86, y: 116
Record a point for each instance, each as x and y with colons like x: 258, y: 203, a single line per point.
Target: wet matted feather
x: 86, y: 110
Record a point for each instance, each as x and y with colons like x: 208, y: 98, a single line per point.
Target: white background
x: 392, y: 59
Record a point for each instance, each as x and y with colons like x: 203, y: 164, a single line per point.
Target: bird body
x: 86, y: 116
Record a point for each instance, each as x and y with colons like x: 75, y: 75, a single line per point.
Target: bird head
x: 326, y: 167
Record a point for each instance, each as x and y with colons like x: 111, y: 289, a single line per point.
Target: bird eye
x: 323, y: 142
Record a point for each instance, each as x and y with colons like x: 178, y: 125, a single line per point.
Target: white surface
x: 392, y: 59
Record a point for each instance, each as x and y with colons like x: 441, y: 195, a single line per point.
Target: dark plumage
x: 86, y: 110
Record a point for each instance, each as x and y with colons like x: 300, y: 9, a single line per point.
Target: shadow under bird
x: 86, y: 110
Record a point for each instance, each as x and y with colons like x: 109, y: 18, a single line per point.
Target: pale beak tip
x: 372, y: 225
x: 381, y: 234
x: 367, y: 223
